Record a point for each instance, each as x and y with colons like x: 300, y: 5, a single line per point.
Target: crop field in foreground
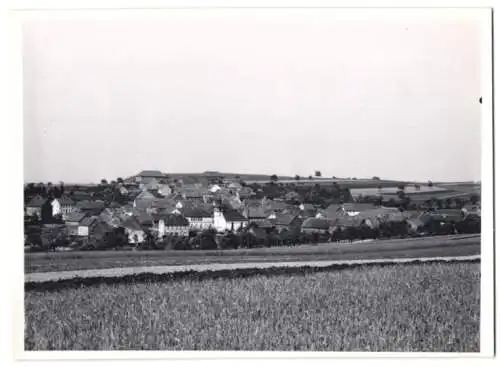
x: 425, y: 307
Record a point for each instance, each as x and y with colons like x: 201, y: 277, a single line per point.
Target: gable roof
x: 316, y: 223
x: 232, y: 215
x: 172, y: 220
x: 112, y: 217
x: 75, y: 217
x: 246, y: 191
x: 417, y: 222
x: 147, y: 173
x: 358, y: 207
x: 132, y: 224
x: 143, y: 217
x: 308, y: 206
x: 196, y: 212
x: 255, y: 212
x: 275, y: 205
x: 91, y: 204
x: 291, y: 210
x: 381, y: 212
x: 88, y: 221
x: 332, y: 211
x: 65, y: 200
x: 252, y: 202
x: 36, y: 202
x: 449, y: 212
x: 348, y: 221
x: 146, y: 195
x: 284, y: 219
x: 163, y: 203
x: 80, y: 195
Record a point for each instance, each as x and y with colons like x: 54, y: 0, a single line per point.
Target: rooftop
x: 151, y: 173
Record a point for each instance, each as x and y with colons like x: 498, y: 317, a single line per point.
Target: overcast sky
x: 350, y: 93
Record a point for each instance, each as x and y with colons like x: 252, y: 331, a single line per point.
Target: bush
x: 229, y: 241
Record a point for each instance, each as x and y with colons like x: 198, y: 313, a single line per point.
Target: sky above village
x: 351, y: 93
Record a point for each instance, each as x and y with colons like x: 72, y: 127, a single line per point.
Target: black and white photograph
x: 256, y: 179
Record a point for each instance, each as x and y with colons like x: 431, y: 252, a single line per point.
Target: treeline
x: 210, y: 240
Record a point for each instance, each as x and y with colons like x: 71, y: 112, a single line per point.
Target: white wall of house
x: 67, y: 209
x: 30, y: 210
x: 56, y: 207
x: 220, y: 223
x: 83, y: 231
x: 164, y: 230
x: 164, y: 190
x: 177, y: 230
x: 132, y: 233
x: 161, y: 228
x: 351, y: 213
x: 201, y: 223
x: 215, y: 188
x: 72, y: 229
x: 235, y: 225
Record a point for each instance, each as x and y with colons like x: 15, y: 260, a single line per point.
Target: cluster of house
x: 164, y: 209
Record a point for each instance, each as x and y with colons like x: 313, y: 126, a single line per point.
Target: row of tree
x: 50, y: 237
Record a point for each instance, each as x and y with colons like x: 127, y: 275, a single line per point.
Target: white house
x: 133, y: 230
x: 228, y: 220
x: 56, y: 207
x: 147, y: 176
x: 34, y: 207
x: 123, y: 190
x: 214, y: 188
x: 171, y: 224
x: 86, y: 225
x: 63, y: 206
x: 164, y: 190
x: 199, y: 218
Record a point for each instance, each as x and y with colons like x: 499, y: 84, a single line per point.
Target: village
x: 153, y: 210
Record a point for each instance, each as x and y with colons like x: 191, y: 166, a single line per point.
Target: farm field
x: 401, y: 248
x: 425, y: 307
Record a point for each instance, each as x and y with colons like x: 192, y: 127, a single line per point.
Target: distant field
x: 419, y: 308
x: 410, y: 190
x: 343, y: 182
x: 402, y: 248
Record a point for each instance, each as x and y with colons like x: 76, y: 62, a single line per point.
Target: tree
x: 47, y: 211
x: 115, y: 238
x: 447, y: 203
x: 401, y: 186
x: 317, y: 173
x: 119, y: 180
x: 376, y: 178
x: 459, y: 203
x: 439, y: 203
x: 104, y: 181
x: 274, y: 178
x: 297, y: 177
x: 474, y: 198
x: 429, y: 183
x: 56, y: 192
x: 310, y: 177
x: 417, y: 186
x: 206, y: 240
